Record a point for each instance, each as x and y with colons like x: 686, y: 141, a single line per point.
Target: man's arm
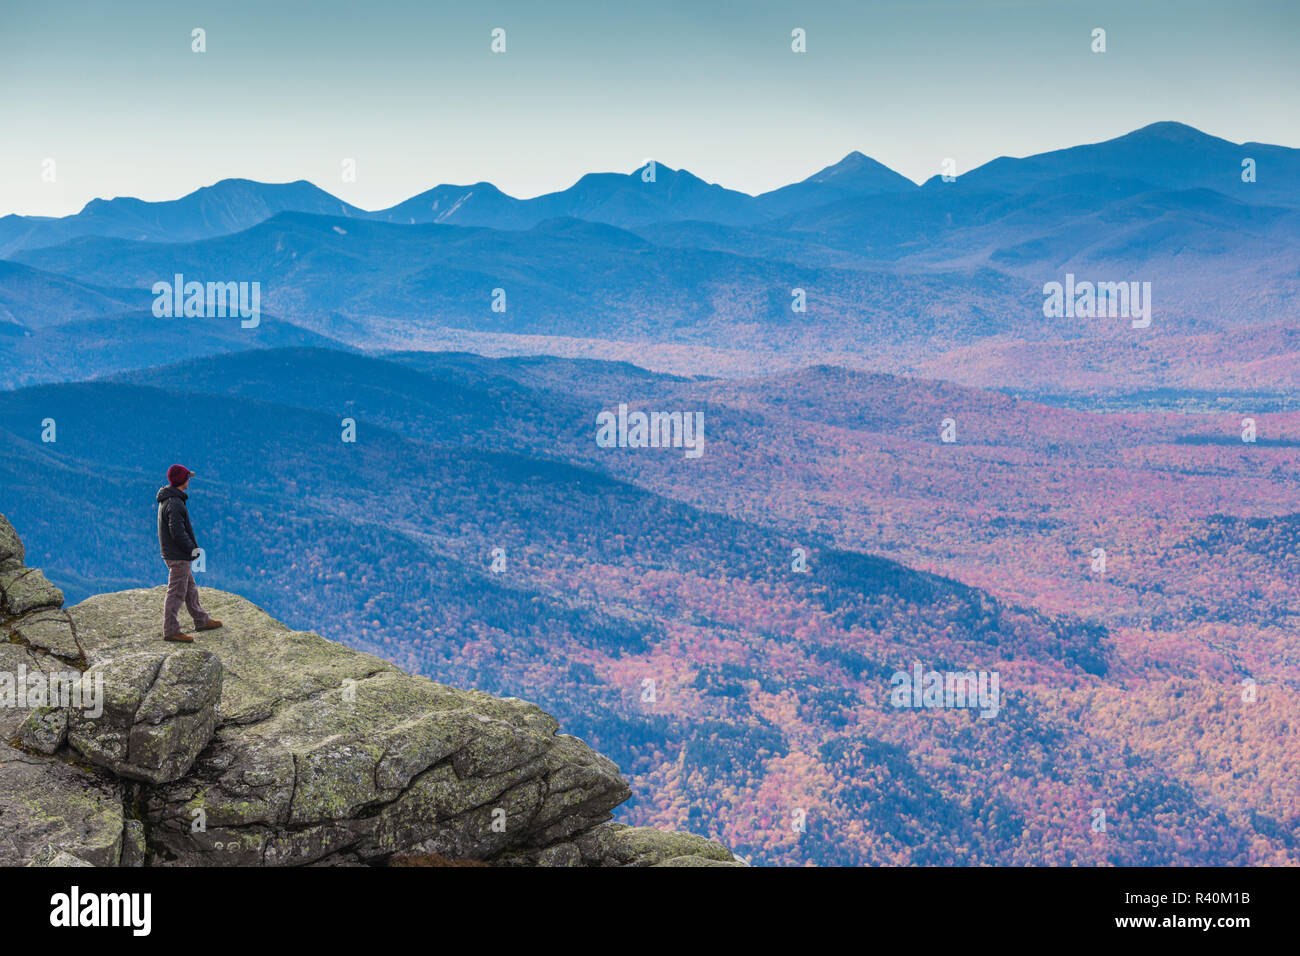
x: 180, y: 534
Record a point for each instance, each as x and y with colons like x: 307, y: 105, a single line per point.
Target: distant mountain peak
x: 1163, y: 155
x: 659, y: 166
x: 99, y: 202
x: 854, y: 166
x: 857, y: 174
x: 1168, y: 132
x: 1168, y: 129
x: 221, y: 189
x: 854, y: 161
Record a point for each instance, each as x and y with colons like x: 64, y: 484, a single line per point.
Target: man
x: 176, y: 537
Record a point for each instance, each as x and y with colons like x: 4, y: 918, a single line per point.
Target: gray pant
x: 181, y: 589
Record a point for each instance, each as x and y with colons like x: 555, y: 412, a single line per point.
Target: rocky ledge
x: 259, y: 745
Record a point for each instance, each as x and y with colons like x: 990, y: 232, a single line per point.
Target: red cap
x: 179, y: 474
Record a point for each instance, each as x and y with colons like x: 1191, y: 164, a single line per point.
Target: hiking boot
x: 180, y: 637
x: 212, y: 625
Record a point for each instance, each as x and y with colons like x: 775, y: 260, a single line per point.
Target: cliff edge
x: 259, y: 745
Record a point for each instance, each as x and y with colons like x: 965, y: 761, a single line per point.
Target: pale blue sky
x: 409, y: 89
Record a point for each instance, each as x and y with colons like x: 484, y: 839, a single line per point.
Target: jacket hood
x: 170, y: 491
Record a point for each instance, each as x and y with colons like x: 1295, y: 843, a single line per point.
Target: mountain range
x: 1162, y: 156
x: 234, y: 205
x: 693, y: 277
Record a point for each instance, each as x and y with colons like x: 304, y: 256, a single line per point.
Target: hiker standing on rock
x: 176, y: 537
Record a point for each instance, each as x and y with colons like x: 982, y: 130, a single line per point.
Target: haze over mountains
x: 692, y: 277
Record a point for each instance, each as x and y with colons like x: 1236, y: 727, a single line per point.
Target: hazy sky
x: 409, y: 88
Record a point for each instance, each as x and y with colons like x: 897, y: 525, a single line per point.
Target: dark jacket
x: 175, y: 533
